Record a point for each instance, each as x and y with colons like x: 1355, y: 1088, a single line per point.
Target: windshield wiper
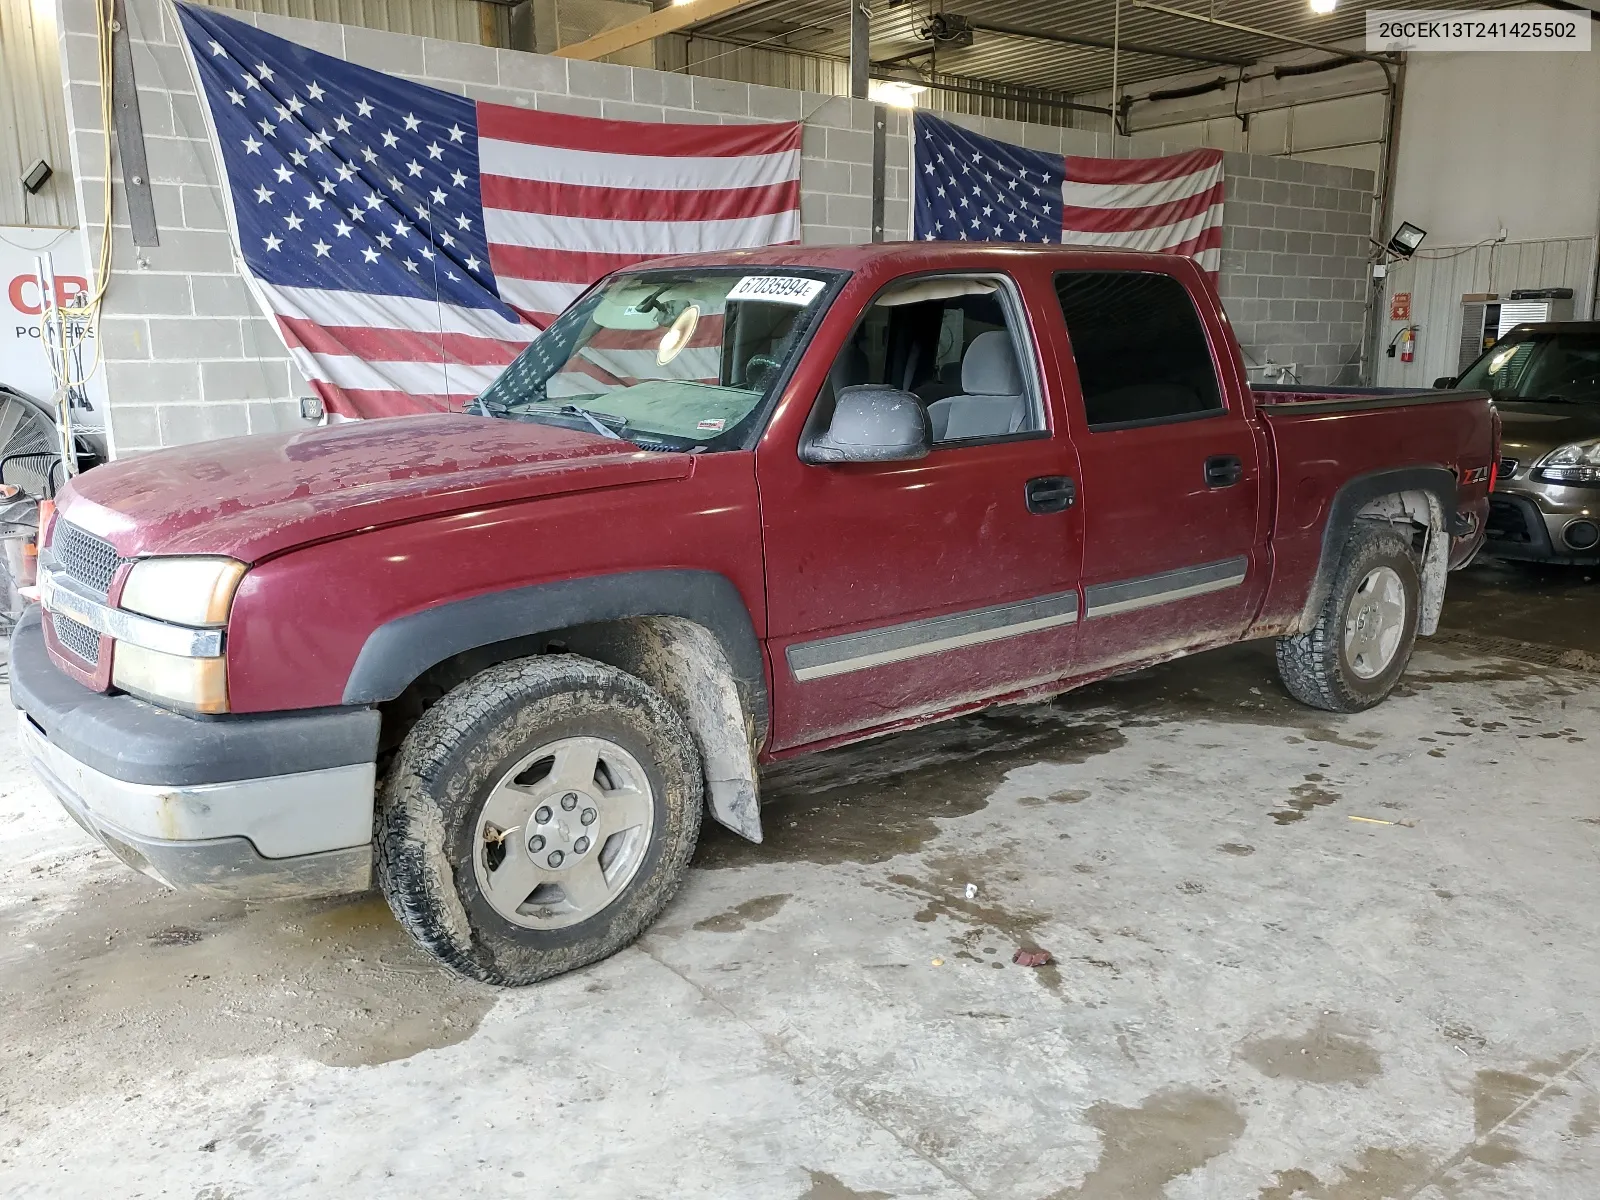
x: 599, y: 426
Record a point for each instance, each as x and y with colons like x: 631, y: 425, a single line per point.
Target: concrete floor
x: 1256, y: 994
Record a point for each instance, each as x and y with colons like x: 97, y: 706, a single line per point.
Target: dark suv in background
x: 1545, y: 381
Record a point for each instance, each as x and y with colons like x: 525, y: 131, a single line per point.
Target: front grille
x: 1508, y: 468
x: 1508, y: 523
x: 80, y: 639
x: 84, y: 557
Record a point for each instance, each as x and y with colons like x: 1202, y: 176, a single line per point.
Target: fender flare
x: 1351, y: 498
x: 397, y: 652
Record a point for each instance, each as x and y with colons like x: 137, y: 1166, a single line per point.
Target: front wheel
x: 1358, y: 649
x: 538, y: 818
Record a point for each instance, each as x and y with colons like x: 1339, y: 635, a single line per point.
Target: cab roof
x: 894, y: 257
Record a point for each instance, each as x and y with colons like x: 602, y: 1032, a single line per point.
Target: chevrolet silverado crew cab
x: 726, y: 509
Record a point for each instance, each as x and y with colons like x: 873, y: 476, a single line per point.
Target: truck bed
x: 1316, y: 434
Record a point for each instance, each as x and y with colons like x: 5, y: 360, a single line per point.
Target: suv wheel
x: 538, y: 818
x: 1362, y: 641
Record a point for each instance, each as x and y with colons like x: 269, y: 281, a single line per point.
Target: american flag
x: 975, y: 188
x: 410, y: 242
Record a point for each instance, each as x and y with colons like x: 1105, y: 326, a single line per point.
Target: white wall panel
x: 1491, y: 141
x: 1438, y: 282
x: 32, y: 123
x: 1323, y: 123
x: 1366, y: 157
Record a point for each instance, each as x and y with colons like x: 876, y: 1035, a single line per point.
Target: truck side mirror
x: 1445, y: 381
x: 872, y: 423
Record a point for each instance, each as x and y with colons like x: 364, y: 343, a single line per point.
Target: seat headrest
x: 989, y: 367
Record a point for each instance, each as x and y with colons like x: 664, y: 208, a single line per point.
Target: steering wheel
x: 760, y: 370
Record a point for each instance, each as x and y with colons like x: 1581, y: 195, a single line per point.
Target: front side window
x: 1141, y: 352
x: 668, y: 360
x: 953, y: 342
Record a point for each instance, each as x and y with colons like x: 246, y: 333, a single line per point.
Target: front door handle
x: 1223, y: 470
x: 1051, y: 494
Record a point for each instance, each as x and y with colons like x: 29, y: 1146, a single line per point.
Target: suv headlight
x: 1577, y: 462
x: 184, y: 591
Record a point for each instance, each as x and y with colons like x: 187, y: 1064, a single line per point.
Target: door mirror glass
x: 1445, y: 381
x: 872, y: 423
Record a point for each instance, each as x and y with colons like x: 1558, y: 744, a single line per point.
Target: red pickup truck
x: 727, y: 509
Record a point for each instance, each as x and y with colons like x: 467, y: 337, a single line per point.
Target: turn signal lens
x: 195, y: 684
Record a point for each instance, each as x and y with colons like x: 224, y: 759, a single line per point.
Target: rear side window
x: 1141, y: 352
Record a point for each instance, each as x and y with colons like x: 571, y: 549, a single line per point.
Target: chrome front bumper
x: 203, y: 804
x: 307, y: 834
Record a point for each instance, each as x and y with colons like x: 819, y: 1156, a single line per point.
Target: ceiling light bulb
x: 894, y: 92
x: 1323, y: 7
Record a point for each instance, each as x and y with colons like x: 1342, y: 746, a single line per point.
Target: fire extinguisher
x: 1408, y: 344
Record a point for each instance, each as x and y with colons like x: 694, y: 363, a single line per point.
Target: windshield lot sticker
x: 713, y: 425
x: 777, y: 289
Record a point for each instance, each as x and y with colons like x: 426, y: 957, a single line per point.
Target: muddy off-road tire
x: 538, y: 818
x: 1358, y: 649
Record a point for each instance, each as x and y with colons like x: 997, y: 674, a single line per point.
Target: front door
x: 1171, y: 476
x: 901, y: 590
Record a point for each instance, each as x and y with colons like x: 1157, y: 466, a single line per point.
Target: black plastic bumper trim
x: 136, y: 742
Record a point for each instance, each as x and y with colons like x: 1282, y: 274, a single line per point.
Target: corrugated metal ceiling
x: 823, y: 27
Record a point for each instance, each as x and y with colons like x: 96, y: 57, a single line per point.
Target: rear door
x: 900, y: 590
x: 1171, y: 489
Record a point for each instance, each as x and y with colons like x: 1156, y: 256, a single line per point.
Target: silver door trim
x: 1108, y: 599
x: 849, y: 652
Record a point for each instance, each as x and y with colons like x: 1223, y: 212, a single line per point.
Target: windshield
x: 1560, y: 367
x: 668, y: 360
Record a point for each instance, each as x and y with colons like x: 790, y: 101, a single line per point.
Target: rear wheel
x: 1358, y: 649
x: 538, y: 818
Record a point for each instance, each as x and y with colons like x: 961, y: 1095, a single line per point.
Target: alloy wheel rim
x: 1375, y: 623
x: 563, y: 832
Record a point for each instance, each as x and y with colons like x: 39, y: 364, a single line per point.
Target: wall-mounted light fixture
x: 37, y: 176
x: 1406, y: 239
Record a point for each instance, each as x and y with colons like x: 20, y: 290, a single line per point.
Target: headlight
x: 187, y: 591
x: 1578, y: 462
x: 197, y: 684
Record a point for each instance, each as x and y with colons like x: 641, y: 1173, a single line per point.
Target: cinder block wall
x: 1294, y: 274
x: 188, y: 356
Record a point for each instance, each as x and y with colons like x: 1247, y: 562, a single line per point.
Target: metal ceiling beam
x: 1016, y: 95
x: 663, y: 21
x: 1074, y: 39
x: 860, y: 48
x: 1219, y: 23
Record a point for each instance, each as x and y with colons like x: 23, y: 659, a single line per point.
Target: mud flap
x: 685, y: 663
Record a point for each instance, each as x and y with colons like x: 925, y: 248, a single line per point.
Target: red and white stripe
x: 381, y: 356
x: 619, y: 358
x: 1172, y: 204
x: 567, y: 199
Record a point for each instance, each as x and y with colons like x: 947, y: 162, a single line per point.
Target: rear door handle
x: 1223, y: 470
x: 1051, y: 494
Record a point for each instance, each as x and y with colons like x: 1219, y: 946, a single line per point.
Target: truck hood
x: 1530, y: 430
x: 254, y: 497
